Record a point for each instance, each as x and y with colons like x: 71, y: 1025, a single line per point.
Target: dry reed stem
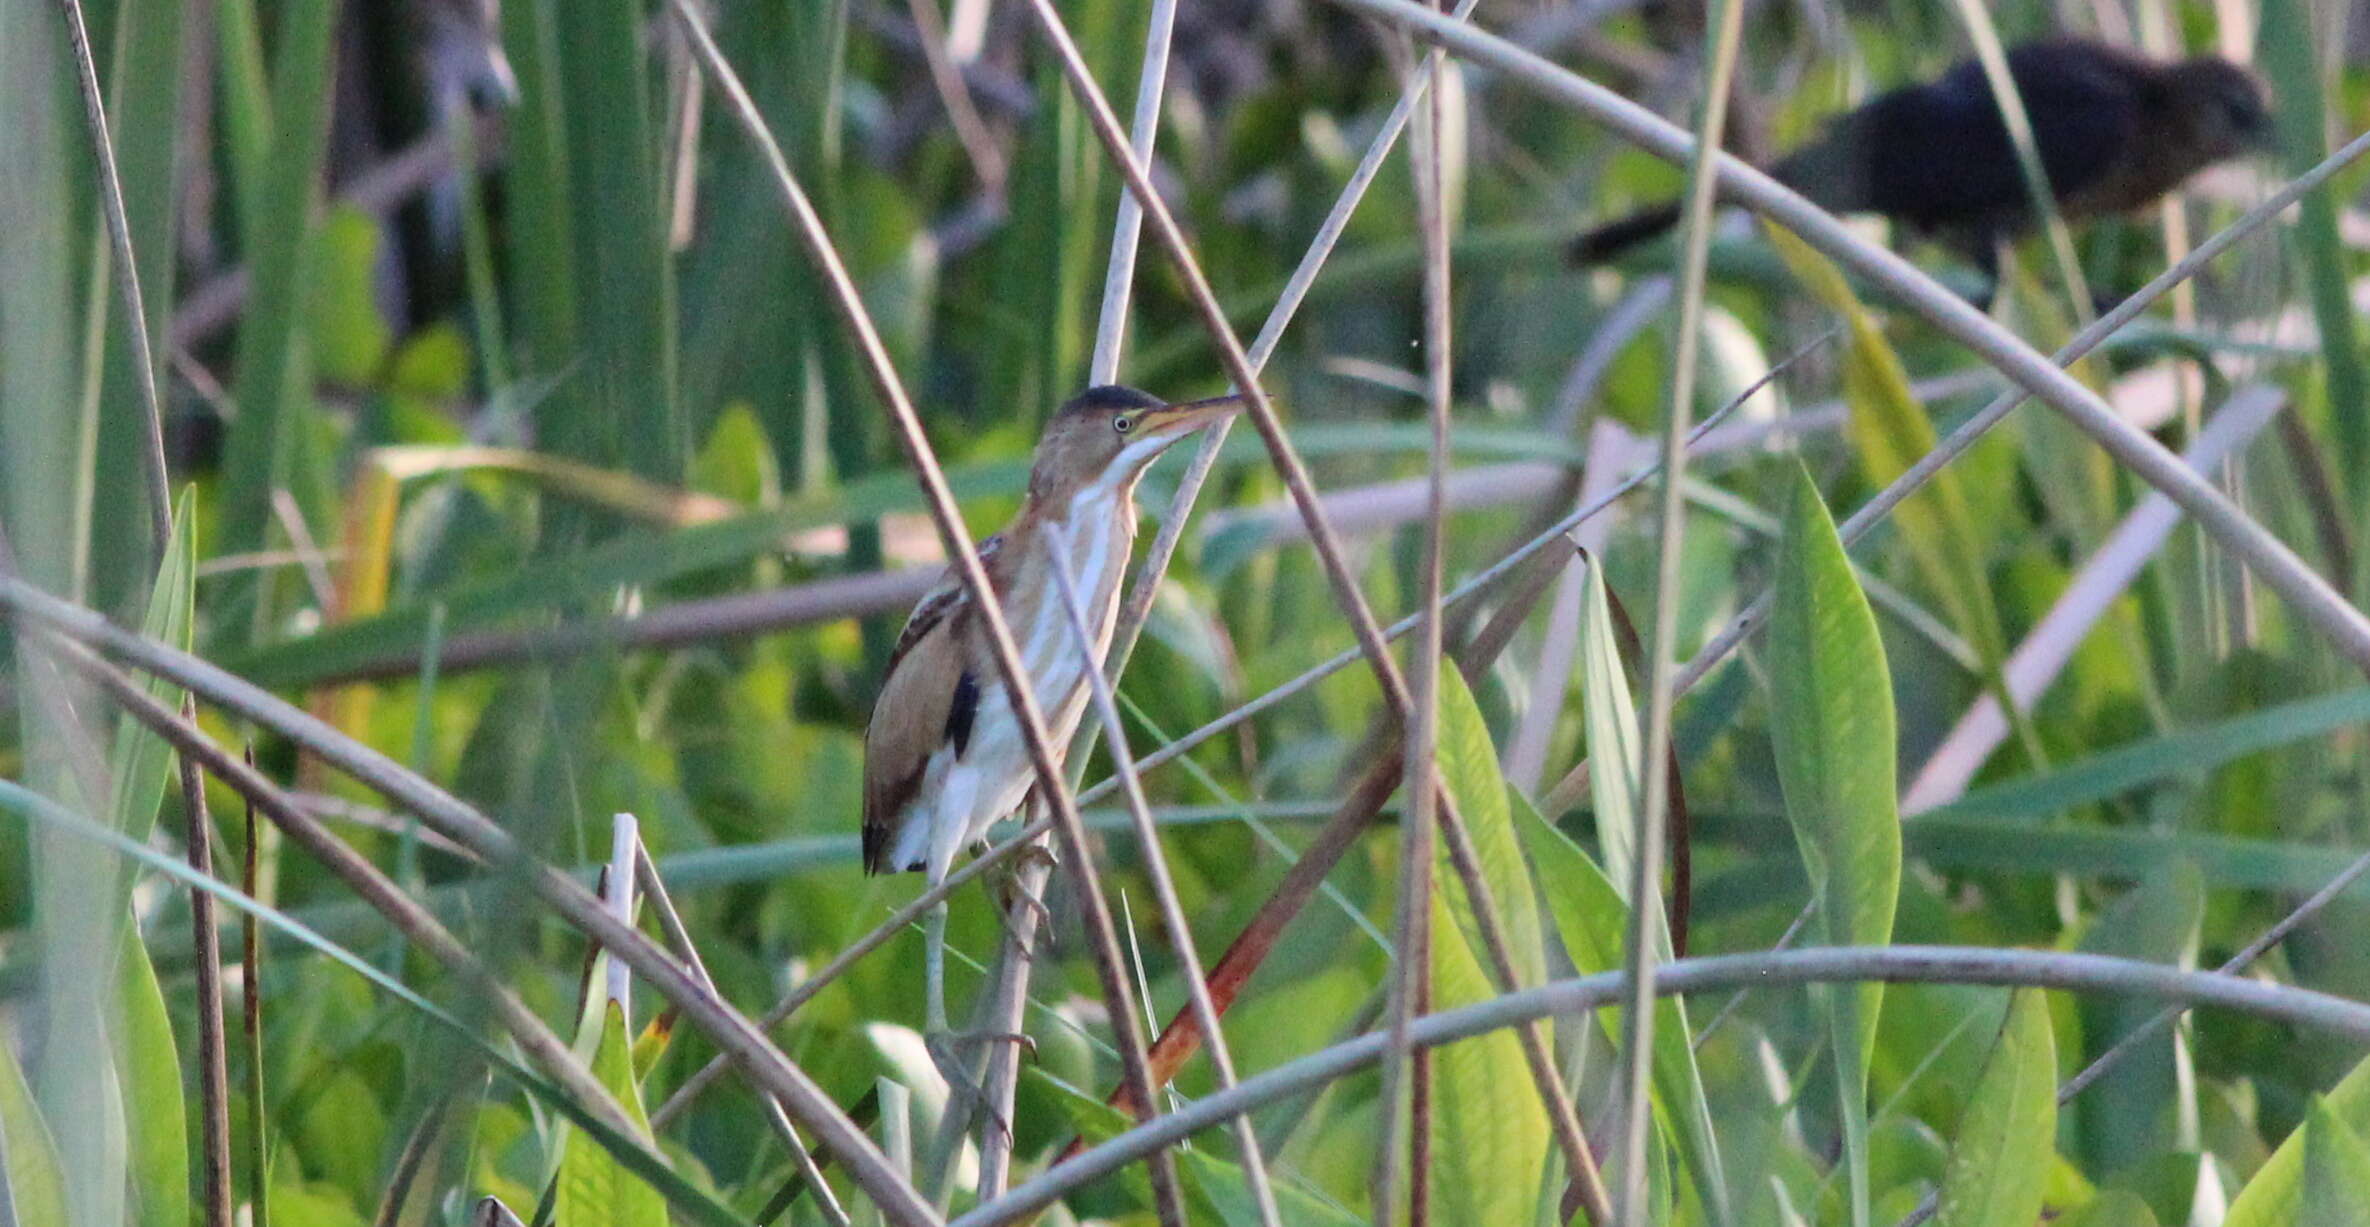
x: 213, y: 1044
x: 1647, y: 926
x: 1295, y: 476
x: 2309, y: 596
x: 1575, y: 997
x: 1164, y: 887
x: 466, y: 825
x: 1411, y: 963
x: 1044, y: 756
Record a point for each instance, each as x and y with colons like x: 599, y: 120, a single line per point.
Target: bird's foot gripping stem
x: 967, y: 1091
x: 1013, y: 896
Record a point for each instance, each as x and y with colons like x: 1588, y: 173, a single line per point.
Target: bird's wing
x: 927, y: 700
x: 939, y: 601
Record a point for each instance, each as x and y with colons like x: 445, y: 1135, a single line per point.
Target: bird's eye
x: 1123, y: 423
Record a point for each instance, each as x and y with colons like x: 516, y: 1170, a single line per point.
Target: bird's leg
x: 943, y: 1042
x: 1014, y: 897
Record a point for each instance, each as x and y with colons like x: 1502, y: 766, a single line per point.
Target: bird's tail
x: 1611, y: 239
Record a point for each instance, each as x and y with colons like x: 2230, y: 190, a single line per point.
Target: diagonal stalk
x: 2308, y: 595
x: 1294, y: 474
x: 1576, y: 997
x: 1164, y: 886
x: 1646, y: 923
x: 464, y: 824
x: 1044, y: 755
x: 213, y: 1045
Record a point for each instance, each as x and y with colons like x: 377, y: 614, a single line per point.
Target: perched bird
x: 944, y: 759
x: 2114, y: 132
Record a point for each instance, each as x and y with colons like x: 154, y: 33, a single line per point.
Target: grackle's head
x: 2223, y: 109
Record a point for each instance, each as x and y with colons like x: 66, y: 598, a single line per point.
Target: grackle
x: 2114, y: 131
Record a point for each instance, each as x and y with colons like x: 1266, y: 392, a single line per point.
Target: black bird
x: 2114, y: 131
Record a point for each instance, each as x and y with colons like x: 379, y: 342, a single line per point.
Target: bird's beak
x: 1177, y: 421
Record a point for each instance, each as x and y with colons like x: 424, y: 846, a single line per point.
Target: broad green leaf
x: 2176, y: 756
x: 737, y: 461
x: 2290, y: 46
x: 1999, y: 1162
x: 1494, y: 1130
x: 1214, y: 1187
x: 636, y: 1154
x: 139, y: 761
x: 1891, y: 431
x: 2113, y: 1208
x: 2336, y: 1171
x: 1613, y: 742
x: 2274, y: 1197
x: 1469, y: 771
x: 594, y: 1189
x: 36, y: 1185
x: 2134, y: 1111
x: 154, y: 1113
x: 1492, y: 1141
x: 1831, y: 719
x: 1590, y: 916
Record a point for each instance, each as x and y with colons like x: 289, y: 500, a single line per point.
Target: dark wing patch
x: 942, y: 599
x: 960, y: 713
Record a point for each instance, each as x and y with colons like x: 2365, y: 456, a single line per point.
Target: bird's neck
x: 1104, y: 506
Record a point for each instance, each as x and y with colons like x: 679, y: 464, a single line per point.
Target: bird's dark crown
x: 1109, y: 398
x: 2223, y: 99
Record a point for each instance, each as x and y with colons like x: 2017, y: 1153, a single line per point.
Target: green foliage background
x: 537, y: 385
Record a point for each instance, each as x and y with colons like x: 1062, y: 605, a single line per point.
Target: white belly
x: 961, y: 798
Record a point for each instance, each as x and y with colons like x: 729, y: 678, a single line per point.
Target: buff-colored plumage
x: 943, y: 755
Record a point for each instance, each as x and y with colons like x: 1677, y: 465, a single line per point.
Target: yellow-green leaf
x: 1999, y: 1162
x: 1492, y: 1129
x: 2336, y: 1171
x: 1490, y: 1149
x: 36, y: 1185
x: 2272, y: 1197
x: 149, y: 1065
x: 1469, y: 769
x: 1890, y: 431
x: 595, y: 1190
x: 1831, y: 719
x: 1589, y: 915
x: 2113, y: 1208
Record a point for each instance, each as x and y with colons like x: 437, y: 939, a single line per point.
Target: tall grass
x: 575, y: 478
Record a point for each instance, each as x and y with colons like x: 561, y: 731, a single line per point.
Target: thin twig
x: 1263, y: 347
x: 251, y: 1017
x: 1567, y: 998
x: 409, y: 918
x: 1044, y: 755
x: 2312, y: 598
x: 213, y: 1045
x: 1974, y: 428
x: 1164, y: 886
x: 1647, y: 927
x: 670, y: 923
x: 1006, y: 1004
x: 987, y: 161
x: 465, y: 824
x: 1294, y: 474
x: 1411, y: 964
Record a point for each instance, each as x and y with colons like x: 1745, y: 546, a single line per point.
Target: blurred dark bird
x: 2114, y: 132
x: 944, y: 758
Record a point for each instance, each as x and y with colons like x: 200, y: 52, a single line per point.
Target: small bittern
x: 2114, y: 132
x: 944, y: 758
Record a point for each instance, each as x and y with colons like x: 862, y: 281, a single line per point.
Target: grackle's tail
x: 1611, y: 239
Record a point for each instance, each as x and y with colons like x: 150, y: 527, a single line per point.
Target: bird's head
x: 2222, y: 108
x: 1106, y: 435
